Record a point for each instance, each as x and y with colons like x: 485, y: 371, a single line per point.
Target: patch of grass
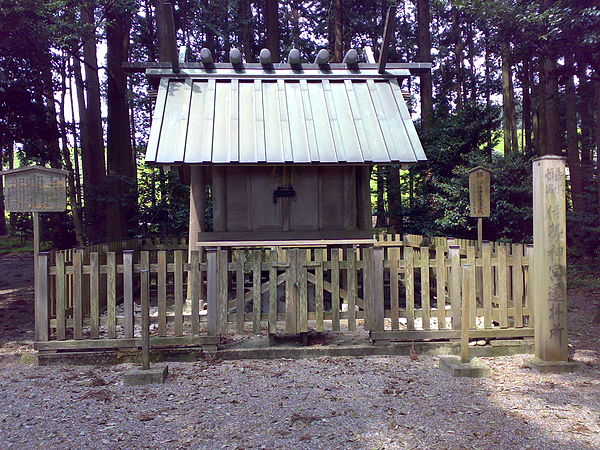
x: 9, y: 244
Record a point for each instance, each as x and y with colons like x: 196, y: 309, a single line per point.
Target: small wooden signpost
x: 479, y: 197
x: 35, y: 189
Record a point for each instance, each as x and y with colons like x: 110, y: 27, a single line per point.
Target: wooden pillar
x: 197, y: 205
x: 211, y: 291
x: 36, y: 245
x: 454, y: 285
x: 41, y: 299
x: 379, y: 306
x: 549, y: 287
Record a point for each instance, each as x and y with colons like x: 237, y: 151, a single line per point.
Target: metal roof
x: 281, y: 116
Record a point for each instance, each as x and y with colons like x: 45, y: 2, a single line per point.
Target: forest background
x: 511, y: 80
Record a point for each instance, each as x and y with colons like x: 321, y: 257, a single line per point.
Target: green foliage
x: 441, y: 204
x: 163, y: 211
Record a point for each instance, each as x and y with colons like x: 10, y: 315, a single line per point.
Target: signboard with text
x: 35, y: 189
x: 479, y: 191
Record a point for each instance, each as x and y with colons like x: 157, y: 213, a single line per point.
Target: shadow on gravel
x: 16, y: 298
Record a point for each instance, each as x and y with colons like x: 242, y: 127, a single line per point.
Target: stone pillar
x: 549, y: 282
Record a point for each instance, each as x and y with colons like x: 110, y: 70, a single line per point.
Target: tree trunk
x: 338, y: 35
x: 585, y: 95
x: 246, y: 33
x: 424, y: 44
x: 572, y: 138
x: 526, y: 83
x: 542, y: 135
x: 472, y: 51
x: 3, y: 228
x: 272, y: 28
x: 161, y: 31
x: 508, y: 101
x: 77, y: 173
x: 121, y: 165
x: 458, y: 57
x: 380, y: 211
x: 488, y: 87
x: 66, y: 156
x: 93, y: 153
x: 150, y: 17
x: 553, y: 127
x: 394, y: 193
x: 597, y: 133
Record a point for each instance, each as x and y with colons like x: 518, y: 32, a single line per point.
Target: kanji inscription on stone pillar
x: 549, y: 285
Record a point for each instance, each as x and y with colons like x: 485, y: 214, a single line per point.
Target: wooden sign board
x: 35, y: 189
x: 479, y: 191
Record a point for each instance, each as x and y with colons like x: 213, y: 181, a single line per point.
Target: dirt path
x: 16, y: 303
x: 370, y: 402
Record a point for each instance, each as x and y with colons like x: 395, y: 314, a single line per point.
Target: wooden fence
x: 401, y: 288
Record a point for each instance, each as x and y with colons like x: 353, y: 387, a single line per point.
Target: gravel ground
x: 370, y: 402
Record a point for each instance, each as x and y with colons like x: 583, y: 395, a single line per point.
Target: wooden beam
x: 388, y: 36
x: 270, y: 238
x: 141, y: 66
x: 155, y: 341
x: 171, y: 37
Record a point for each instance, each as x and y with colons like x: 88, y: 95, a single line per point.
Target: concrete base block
x: 139, y: 377
x: 553, y: 366
x: 473, y: 369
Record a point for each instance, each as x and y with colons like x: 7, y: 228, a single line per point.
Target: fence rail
x: 401, y: 288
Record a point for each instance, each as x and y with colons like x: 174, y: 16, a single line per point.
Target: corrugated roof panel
x: 300, y: 121
x: 273, y: 125
x: 323, y: 120
x: 309, y: 123
x: 195, y: 134
x: 365, y: 117
x: 222, y: 123
x: 350, y: 142
x: 259, y: 123
x: 298, y: 134
x: 157, y: 120
x: 171, y: 146
x: 409, y: 127
x: 247, y: 123
x: 284, y: 123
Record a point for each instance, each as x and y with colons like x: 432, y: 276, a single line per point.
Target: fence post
x: 144, y: 294
x: 193, y: 292
x: 211, y: 290
x: 368, y: 294
x: 466, y: 303
x: 455, y: 299
x: 223, y: 289
x: 377, y: 285
x: 60, y: 296
x: 528, y: 286
x: 41, y: 299
x: 128, y: 292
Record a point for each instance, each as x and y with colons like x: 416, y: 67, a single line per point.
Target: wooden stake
x: 479, y: 233
x: 36, y: 245
x: 466, y: 300
x: 388, y: 35
x: 145, y: 287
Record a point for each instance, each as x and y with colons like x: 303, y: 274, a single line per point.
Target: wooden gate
x: 288, y: 290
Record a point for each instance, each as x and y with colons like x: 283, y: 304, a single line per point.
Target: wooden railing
x: 401, y: 288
